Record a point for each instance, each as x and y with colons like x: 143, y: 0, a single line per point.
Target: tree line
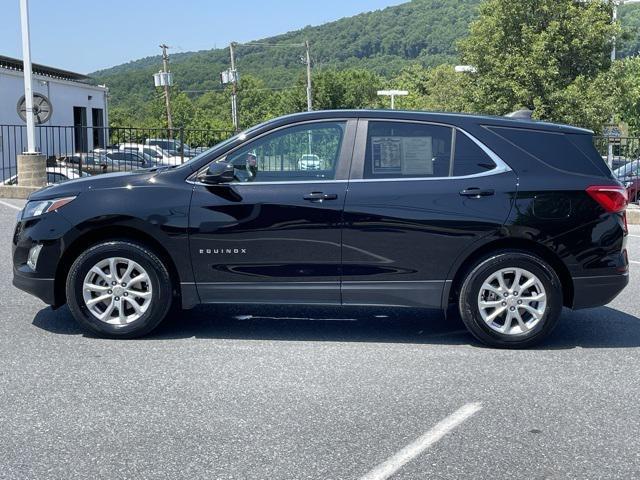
x: 551, y: 56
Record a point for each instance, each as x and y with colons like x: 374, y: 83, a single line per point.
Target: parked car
x: 160, y: 155
x: 309, y: 162
x: 54, y: 175
x: 629, y: 176
x: 173, y: 146
x: 107, y: 161
x: 509, y: 220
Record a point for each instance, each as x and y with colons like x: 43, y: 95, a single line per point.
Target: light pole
x: 393, y: 94
x: 28, y: 87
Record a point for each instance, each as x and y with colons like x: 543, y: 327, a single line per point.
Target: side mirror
x: 217, y: 173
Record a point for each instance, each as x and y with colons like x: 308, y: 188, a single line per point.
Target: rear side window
x: 469, y: 158
x: 400, y: 150
x: 558, y: 150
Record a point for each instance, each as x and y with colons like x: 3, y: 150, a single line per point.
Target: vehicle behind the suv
x: 509, y: 220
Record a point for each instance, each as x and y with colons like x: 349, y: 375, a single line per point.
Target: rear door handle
x: 477, y: 192
x: 320, y: 197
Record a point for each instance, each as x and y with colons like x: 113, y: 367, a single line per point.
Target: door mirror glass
x: 217, y: 173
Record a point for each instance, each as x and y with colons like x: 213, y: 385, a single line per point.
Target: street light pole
x: 28, y: 86
x: 393, y: 94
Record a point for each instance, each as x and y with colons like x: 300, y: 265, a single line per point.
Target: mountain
x: 383, y: 41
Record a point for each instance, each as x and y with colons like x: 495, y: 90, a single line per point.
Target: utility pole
x: 234, y: 89
x: 165, y: 69
x: 309, y: 97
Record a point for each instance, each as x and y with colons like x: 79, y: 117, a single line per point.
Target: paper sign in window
x: 402, y: 155
x: 386, y: 154
x: 417, y: 156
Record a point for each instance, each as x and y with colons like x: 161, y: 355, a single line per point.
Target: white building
x: 70, y: 109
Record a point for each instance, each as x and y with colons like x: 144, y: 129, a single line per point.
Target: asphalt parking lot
x: 275, y: 393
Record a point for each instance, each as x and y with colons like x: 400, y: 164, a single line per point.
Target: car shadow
x: 603, y: 327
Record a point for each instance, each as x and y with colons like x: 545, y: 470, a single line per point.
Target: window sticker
x: 402, y: 155
x: 386, y: 154
x: 417, y: 156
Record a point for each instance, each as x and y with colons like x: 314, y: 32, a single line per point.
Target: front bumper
x: 598, y: 290
x: 43, y: 288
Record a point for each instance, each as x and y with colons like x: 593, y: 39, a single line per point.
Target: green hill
x: 382, y: 41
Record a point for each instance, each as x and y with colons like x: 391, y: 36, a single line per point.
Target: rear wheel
x: 511, y: 299
x: 119, y: 289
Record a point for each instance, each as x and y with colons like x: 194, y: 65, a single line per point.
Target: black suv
x: 509, y: 219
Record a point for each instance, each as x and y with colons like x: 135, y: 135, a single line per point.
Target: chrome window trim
x: 285, y: 182
x: 501, y: 165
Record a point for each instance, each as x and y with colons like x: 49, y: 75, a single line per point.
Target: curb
x: 633, y: 215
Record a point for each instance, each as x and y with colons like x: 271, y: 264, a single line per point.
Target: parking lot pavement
x: 278, y: 393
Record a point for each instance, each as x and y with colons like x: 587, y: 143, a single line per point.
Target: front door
x: 273, y: 234
x: 420, y: 195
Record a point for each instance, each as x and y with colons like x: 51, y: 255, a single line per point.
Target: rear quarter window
x: 574, y: 153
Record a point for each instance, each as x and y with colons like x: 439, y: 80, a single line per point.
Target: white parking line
x: 634, y: 262
x: 634, y: 236
x: 411, y: 451
x: 10, y: 205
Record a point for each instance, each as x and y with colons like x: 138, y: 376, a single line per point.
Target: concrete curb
x: 633, y: 215
x: 15, y: 191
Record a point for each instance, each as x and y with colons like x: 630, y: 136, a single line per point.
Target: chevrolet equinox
x: 511, y: 220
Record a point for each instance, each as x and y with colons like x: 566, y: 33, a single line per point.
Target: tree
x: 435, y: 89
x: 535, y: 53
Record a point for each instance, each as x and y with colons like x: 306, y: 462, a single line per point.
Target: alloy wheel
x: 512, y: 301
x: 117, y: 291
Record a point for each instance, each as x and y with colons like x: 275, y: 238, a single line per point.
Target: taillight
x: 612, y: 198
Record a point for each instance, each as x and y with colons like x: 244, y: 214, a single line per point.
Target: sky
x: 84, y: 36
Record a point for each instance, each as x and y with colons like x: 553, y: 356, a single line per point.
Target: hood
x: 97, y: 182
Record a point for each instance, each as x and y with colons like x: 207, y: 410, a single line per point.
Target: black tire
x: 482, y: 270
x: 161, y: 286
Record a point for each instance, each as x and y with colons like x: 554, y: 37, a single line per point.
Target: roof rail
x: 522, y: 114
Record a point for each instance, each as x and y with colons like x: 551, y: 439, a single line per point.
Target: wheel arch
x: 528, y: 246
x: 110, y: 233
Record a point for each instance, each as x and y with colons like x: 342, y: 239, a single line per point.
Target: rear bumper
x: 597, y: 291
x: 43, y: 288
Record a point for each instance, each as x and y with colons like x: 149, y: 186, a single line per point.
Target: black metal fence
x: 623, y: 157
x: 77, y: 150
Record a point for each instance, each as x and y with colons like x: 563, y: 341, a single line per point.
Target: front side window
x: 401, y: 150
x: 302, y: 152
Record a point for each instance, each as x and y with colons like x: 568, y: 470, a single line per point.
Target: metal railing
x: 73, y: 151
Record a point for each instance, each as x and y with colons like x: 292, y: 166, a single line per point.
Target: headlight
x: 37, y: 208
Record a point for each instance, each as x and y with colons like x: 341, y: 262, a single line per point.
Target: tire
x: 533, y: 313
x: 150, y: 288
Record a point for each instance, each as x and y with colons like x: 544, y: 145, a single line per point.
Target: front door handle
x: 477, y: 192
x: 320, y: 197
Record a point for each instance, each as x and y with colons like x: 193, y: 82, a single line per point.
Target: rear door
x: 273, y: 234
x: 420, y: 194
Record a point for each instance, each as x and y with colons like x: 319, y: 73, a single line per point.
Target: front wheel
x: 511, y: 299
x: 118, y: 289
